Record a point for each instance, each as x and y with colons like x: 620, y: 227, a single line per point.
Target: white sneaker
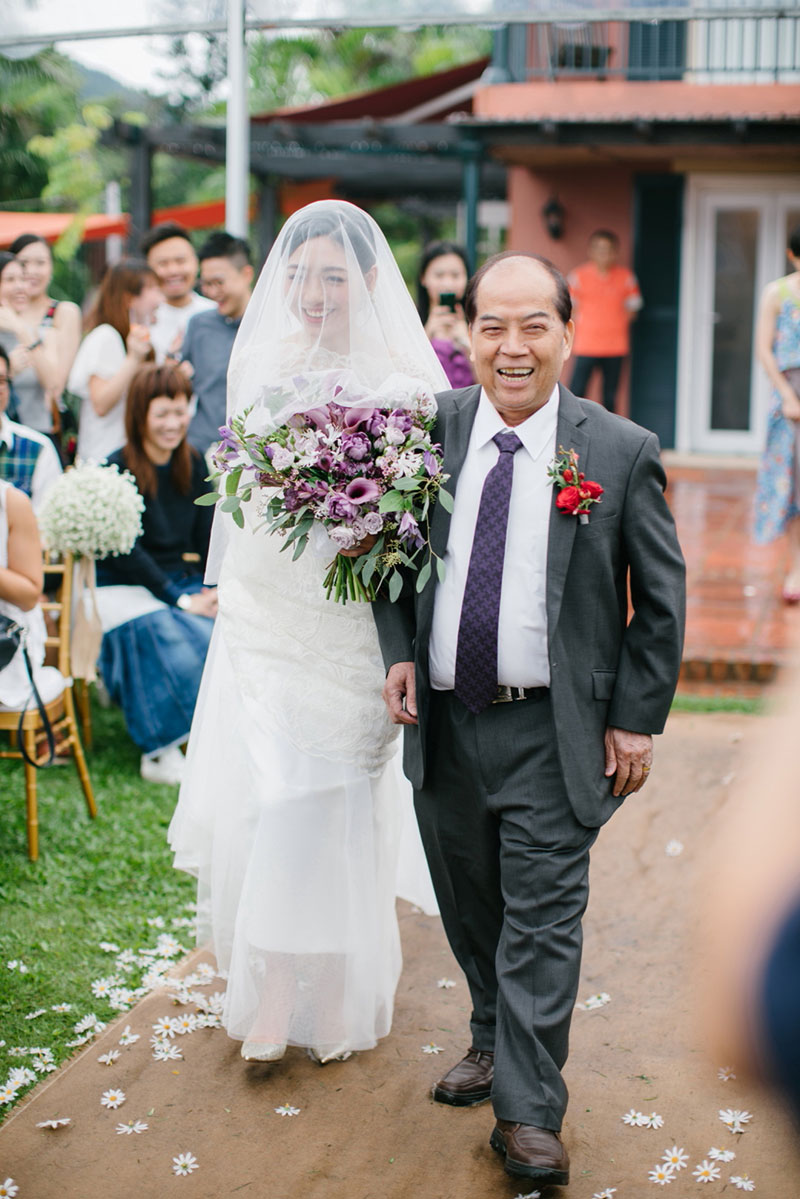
x: 166, y: 767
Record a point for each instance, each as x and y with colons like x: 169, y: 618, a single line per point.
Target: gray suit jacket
x: 605, y: 669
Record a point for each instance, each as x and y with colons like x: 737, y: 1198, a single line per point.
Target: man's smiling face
x: 519, y: 342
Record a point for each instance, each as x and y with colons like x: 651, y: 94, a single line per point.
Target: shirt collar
x: 6, y: 432
x: 536, y: 433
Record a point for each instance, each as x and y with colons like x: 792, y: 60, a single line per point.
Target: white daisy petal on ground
x: 108, y: 1059
x: 594, y: 1001
x: 184, y: 1024
x: 633, y: 1118
x: 446, y: 983
x: 431, y: 1048
x: 725, y: 1073
x: 734, y: 1119
x: 743, y: 1182
x: 721, y: 1155
x: 8, y: 1189
x: 127, y: 1037
x: 85, y: 1023
x: 16, y: 964
x: 61, y: 1007
x: 79, y: 1041
x: 131, y: 1127
x: 206, y: 972
x: 20, y: 1076
x: 43, y: 1066
x: 706, y: 1172
x: 286, y: 1109
x: 184, y: 1163
x: 163, y: 1027
x: 155, y: 921
x: 109, y: 947
x: 677, y: 1158
x: 529, y: 1195
x: 8, y: 1093
x: 54, y: 1123
x: 606, y: 1194
x: 40, y: 1011
x: 653, y: 1121
x: 662, y: 1175
x: 18, y: 1051
x: 112, y: 1098
x: 673, y: 848
x: 167, y: 1053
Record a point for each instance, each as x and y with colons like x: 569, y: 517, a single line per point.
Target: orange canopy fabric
x: 50, y: 225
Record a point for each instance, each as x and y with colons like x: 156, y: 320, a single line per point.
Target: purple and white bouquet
x: 361, y: 463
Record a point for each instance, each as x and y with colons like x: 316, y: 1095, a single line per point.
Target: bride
x: 291, y: 810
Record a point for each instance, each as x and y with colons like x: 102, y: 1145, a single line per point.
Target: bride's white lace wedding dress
x: 287, y: 814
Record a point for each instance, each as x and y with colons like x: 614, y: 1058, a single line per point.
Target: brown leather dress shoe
x: 531, y: 1152
x: 469, y: 1082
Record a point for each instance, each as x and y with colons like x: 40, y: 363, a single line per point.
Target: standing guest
x: 56, y: 324
x: 28, y: 460
x: 606, y: 298
x: 226, y: 276
x: 156, y: 614
x: 117, y: 344
x: 528, y: 697
x: 778, y: 348
x: 170, y: 255
x: 442, y: 277
x: 34, y: 358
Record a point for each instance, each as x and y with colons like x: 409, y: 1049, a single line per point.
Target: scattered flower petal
x: 653, y: 1121
x: 109, y: 1058
x: 286, y: 1109
x: 167, y: 1053
x: 8, y: 1189
x: 721, y: 1155
x: 725, y: 1073
x: 706, y: 1172
x: 743, y: 1182
x: 594, y: 1001
x: 40, y: 1011
x: 128, y: 1037
x: 184, y: 1163
x: 131, y: 1127
x: 109, y: 947
x: 446, y: 983
x: 734, y: 1119
x: 431, y: 1048
x: 661, y: 1174
x: 673, y: 848
x: 675, y: 1157
x: 635, y: 1119
x: 54, y: 1123
x: 61, y: 1007
x: 606, y: 1194
x: 112, y: 1098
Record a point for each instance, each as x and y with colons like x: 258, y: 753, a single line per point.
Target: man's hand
x: 629, y: 756
x: 360, y: 547
x: 400, y: 686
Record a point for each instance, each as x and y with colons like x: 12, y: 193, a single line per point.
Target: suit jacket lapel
x: 571, y: 436
x: 456, y: 441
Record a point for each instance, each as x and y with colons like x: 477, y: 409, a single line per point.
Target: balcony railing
x: 724, y: 49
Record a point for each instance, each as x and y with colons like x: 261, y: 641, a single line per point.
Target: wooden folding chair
x: 60, y: 711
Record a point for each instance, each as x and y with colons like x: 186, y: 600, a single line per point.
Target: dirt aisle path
x: 367, y: 1129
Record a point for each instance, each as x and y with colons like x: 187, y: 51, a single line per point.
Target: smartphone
x: 448, y: 300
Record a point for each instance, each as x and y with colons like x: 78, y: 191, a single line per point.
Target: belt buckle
x: 505, y: 694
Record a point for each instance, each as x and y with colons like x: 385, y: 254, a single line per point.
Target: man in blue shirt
x: 226, y: 277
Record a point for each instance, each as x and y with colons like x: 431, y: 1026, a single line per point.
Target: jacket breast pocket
x: 603, y: 682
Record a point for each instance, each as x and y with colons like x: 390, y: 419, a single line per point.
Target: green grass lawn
x: 95, y: 880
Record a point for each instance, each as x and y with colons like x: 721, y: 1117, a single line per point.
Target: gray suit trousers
x: 510, y: 866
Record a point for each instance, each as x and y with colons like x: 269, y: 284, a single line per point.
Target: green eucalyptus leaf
x: 205, y: 501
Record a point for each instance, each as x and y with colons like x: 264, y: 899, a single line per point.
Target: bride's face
x: 318, y: 290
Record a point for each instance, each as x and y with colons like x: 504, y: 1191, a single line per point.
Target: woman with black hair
x: 441, y: 280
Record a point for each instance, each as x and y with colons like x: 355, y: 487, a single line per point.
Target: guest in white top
x: 111, y: 353
x: 172, y: 258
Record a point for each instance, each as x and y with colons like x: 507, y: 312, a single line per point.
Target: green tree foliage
x: 38, y: 96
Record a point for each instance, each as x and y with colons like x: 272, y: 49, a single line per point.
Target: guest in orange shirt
x: 606, y: 297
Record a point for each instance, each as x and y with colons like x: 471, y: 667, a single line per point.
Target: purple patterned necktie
x: 476, y: 654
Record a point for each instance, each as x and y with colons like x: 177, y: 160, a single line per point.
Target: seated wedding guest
x: 226, y: 276
x: 54, y: 323
x: 33, y: 358
x: 171, y: 256
x: 441, y: 280
x: 156, y: 614
x: 28, y: 460
x: 115, y: 347
x: 20, y: 588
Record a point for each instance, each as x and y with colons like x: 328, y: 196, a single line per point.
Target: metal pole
x: 237, y: 159
x: 471, y: 185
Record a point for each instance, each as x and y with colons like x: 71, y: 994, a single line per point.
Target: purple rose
x: 408, y: 531
x: 343, y: 537
x: 356, y: 446
x: 401, y: 420
x: 373, y: 523
x: 339, y: 507
x: 363, y: 491
x: 376, y: 423
x: 291, y: 500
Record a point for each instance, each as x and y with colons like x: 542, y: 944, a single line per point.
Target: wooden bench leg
x: 77, y: 749
x: 29, y: 737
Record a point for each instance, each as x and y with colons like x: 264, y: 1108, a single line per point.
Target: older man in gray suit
x: 528, y: 695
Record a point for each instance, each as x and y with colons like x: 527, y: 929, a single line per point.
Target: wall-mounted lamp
x: 553, y: 214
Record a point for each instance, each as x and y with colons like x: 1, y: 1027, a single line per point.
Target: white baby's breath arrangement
x: 92, y: 512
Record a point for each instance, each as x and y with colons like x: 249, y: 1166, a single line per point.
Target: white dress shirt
x: 170, y: 321
x: 522, y: 627
x: 48, y: 466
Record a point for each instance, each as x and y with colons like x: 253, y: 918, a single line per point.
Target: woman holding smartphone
x: 441, y: 280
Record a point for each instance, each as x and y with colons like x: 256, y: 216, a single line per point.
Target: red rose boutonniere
x: 576, y: 493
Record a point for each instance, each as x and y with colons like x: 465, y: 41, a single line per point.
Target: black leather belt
x: 507, y: 695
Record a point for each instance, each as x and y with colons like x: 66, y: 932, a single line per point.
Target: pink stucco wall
x: 594, y: 197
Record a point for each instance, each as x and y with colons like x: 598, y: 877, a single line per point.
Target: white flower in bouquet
x: 92, y: 512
